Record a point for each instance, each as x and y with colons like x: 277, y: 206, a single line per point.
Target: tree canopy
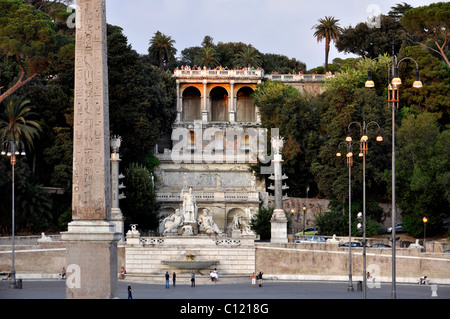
x: 430, y: 23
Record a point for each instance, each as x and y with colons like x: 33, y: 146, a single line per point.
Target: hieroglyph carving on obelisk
x: 91, y: 167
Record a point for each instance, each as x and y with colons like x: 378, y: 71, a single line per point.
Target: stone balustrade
x: 214, y: 196
x: 298, y: 77
x: 202, y: 74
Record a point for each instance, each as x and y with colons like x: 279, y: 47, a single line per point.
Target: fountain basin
x: 190, y: 264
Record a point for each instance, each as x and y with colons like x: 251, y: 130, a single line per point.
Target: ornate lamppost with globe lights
x: 394, y: 83
x: 364, y: 139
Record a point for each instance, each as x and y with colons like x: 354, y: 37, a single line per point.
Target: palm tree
x: 207, y: 57
x: 329, y: 30
x: 162, y: 48
x: 248, y: 57
x: 15, y: 122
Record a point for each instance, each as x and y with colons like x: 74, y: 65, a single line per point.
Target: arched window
x: 219, y: 105
x: 191, y: 105
x: 245, y: 109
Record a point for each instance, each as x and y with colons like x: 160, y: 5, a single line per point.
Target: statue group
x: 188, y: 221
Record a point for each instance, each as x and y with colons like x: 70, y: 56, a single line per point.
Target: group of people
x: 218, y: 68
x: 259, y: 278
x: 174, y: 279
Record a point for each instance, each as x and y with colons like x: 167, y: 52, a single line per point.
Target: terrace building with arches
x: 215, y: 132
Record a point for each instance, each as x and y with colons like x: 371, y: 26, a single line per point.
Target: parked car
x: 354, y: 244
x: 398, y: 228
x: 380, y: 246
x: 311, y: 239
x: 308, y: 231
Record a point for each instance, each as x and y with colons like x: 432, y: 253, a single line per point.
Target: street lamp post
x: 394, y: 82
x: 304, y: 218
x: 425, y: 221
x: 363, y: 151
x: 349, y: 157
x: 11, y: 149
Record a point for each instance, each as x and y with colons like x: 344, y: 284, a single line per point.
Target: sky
x: 271, y: 26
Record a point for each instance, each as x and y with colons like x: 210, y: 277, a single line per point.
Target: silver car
x: 311, y: 239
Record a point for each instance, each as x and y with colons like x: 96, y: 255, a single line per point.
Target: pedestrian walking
x: 260, y: 278
x: 174, y: 278
x: 193, y: 279
x: 253, y: 280
x: 130, y: 292
x: 167, y: 279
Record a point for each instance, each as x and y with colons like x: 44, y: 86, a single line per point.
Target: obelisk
x: 91, y: 238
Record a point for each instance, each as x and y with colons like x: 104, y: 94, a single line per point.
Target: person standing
x: 193, y: 279
x: 260, y: 279
x: 174, y: 278
x: 167, y: 279
x: 253, y: 280
x: 130, y: 292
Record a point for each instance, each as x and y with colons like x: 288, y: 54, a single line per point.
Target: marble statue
x: 207, y: 224
x: 189, y: 206
x: 172, y: 222
x: 237, y: 221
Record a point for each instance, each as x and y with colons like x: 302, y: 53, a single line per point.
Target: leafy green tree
x: 187, y: 56
x: 329, y: 30
x: 280, y: 63
x: 139, y: 206
x: 208, y: 41
x: 22, y: 174
x: 366, y: 41
x: 142, y: 99
x: 344, y: 101
x: 284, y: 107
x: 433, y: 97
x: 423, y: 168
x: 33, y: 209
x: 332, y: 223
x: 261, y: 222
x: 26, y: 35
x: 162, y: 49
x: 430, y: 23
x: 399, y: 10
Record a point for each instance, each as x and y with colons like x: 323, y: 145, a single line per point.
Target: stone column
x: 179, y: 103
x: 232, y: 108
x: 116, y: 213
x: 91, y: 239
x: 279, y: 220
x: 205, y: 102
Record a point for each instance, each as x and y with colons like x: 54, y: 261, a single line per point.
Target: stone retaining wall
x: 278, y: 261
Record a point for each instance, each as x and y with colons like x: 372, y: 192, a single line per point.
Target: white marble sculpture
x: 172, y: 222
x: 189, y: 206
x: 207, y: 224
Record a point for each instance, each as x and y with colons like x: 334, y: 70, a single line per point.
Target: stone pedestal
x: 117, y: 219
x: 279, y: 227
x: 189, y: 228
x: 236, y: 233
x: 91, y: 260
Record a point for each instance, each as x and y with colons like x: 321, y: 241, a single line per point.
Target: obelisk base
x: 117, y: 219
x: 91, y: 260
x: 279, y: 227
